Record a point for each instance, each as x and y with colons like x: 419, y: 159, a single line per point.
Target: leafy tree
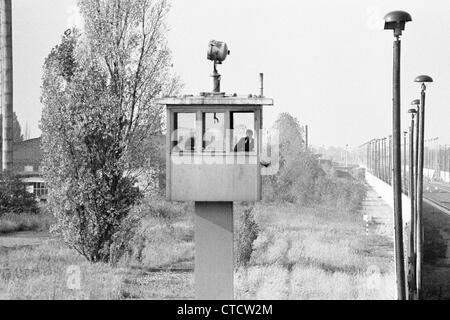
x: 98, y: 93
x: 299, y: 169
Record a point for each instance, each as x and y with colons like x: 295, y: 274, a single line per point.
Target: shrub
x: 340, y: 192
x: 247, y: 234
x: 14, y: 198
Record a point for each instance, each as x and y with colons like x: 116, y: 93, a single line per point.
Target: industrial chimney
x: 7, y: 84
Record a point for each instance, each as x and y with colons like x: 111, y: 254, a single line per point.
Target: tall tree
x: 98, y: 94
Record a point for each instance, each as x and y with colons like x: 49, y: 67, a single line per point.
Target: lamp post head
x: 412, y: 111
x: 415, y: 102
x: 423, y: 79
x: 396, y: 21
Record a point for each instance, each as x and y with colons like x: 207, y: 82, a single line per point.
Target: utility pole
x: 7, y: 84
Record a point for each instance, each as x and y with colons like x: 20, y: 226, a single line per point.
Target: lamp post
x: 412, y: 165
x: 396, y: 21
x: 419, y: 236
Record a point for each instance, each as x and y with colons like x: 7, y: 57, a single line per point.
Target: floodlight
x: 217, y: 51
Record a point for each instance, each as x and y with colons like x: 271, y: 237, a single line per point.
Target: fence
x: 376, y: 157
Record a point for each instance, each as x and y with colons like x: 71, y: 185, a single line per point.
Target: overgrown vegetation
x: 17, y: 222
x: 307, y: 239
x: 315, y: 253
x: 247, y: 233
x: 302, y: 180
x: 14, y: 197
x: 156, y: 262
x: 159, y: 234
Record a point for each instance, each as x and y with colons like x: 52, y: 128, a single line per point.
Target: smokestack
x: 7, y: 84
x: 261, y: 79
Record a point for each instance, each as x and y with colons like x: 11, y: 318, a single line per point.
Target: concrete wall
x: 387, y: 194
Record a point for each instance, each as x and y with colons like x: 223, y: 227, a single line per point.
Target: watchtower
x: 213, y: 158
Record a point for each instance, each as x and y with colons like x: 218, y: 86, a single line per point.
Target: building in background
x: 28, y: 157
x: 27, y: 165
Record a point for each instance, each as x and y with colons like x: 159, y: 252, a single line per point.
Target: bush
x: 14, y: 198
x: 247, y: 234
x: 340, y: 192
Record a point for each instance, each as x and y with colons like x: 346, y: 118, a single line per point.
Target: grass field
x: 315, y: 253
x: 41, y: 271
x: 300, y: 253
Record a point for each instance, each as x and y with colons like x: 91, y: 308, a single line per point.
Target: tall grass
x: 163, y: 243
x: 15, y: 222
x: 41, y: 273
x: 314, y: 253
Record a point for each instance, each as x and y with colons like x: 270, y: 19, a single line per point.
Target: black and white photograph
x: 236, y: 153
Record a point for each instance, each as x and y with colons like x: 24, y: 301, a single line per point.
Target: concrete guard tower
x: 213, y: 158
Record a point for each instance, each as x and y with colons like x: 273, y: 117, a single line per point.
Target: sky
x: 328, y: 63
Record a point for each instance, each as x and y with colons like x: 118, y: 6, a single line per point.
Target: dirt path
x: 379, y: 215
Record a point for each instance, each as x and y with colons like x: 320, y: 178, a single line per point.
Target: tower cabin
x: 213, y: 147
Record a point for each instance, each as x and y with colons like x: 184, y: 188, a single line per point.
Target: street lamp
x: 396, y: 21
x: 412, y: 190
x: 423, y: 79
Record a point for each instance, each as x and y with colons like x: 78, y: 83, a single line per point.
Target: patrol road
x: 437, y: 194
